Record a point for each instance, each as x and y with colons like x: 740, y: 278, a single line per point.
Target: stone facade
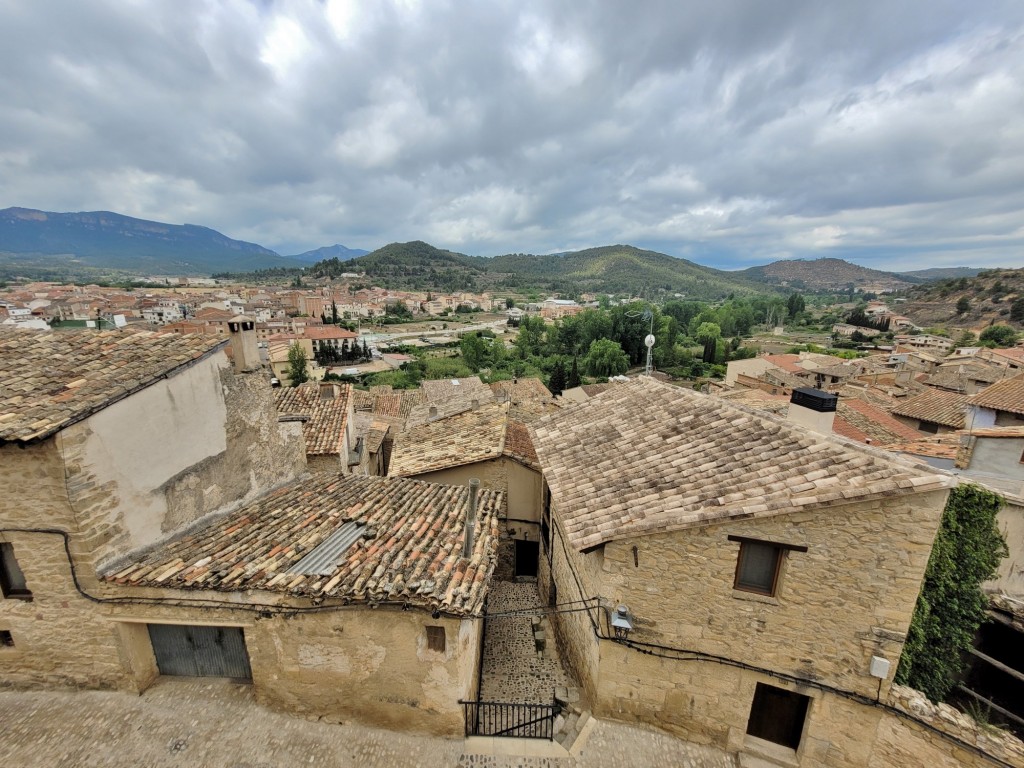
x: 700, y: 648
x: 199, y: 441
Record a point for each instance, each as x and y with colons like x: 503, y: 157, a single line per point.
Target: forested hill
x: 613, y: 269
x: 827, y: 275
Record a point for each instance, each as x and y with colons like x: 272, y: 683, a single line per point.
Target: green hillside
x: 614, y: 269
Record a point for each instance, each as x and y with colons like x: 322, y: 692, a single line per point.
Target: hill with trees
x: 614, y: 269
x: 827, y: 275
x: 992, y: 297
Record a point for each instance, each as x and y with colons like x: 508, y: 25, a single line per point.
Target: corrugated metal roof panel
x: 323, y: 559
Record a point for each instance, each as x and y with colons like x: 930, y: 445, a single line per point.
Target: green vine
x: 951, y: 606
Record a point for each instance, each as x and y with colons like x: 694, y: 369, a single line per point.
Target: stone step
x: 574, y: 725
x: 566, y: 695
x: 753, y: 761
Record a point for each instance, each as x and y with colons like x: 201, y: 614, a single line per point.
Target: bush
x: 951, y: 606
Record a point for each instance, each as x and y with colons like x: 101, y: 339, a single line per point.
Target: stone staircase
x: 574, y: 723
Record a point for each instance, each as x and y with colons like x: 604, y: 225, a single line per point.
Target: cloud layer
x: 730, y: 133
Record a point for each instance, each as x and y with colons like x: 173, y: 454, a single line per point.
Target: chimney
x: 432, y: 412
x: 813, y: 409
x: 242, y: 332
x: 467, y: 541
x: 328, y: 391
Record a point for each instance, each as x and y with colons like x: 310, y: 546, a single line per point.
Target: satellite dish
x: 649, y: 341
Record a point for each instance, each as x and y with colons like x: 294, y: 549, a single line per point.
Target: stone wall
x: 577, y: 578
x: 59, y: 638
x: 849, y: 597
x: 710, y: 703
x: 901, y: 741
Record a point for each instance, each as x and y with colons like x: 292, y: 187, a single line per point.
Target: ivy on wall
x: 951, y: 606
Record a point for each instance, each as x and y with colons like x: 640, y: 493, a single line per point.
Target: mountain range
x: 47, y: 245
x: 32, y: 240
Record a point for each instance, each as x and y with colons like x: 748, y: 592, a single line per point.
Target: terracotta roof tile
x: 327, y: 333
x: 646, y: 456
x: 441, y: 390
x: 519, y: 444
x: 940, y: 447
x: 375, y: 436
x: 51, y: 379
x: 472, y: 435
x: 874, y: 423
x: 324, y: 428
x: 522, y: 390
x: 1006, y: 395
x: 410, y: 552
x: 936, y: 406
x: 788, y: 363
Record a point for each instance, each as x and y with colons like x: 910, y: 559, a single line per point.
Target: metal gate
x: 200, y: 651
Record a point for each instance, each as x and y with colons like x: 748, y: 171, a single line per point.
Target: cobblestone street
x: 514, y: 669
x: 200, y: 722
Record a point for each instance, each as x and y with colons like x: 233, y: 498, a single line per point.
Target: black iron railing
x: 520, y: 721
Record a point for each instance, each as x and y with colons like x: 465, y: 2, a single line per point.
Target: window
x: 435, y: 639
x: 928, y: 427
x: 6, y: 640
x: 758, y: 565
x: 12, y: 580
x: 777, y: 715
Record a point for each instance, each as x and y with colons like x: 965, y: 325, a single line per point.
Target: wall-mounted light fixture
x: 622, y: 622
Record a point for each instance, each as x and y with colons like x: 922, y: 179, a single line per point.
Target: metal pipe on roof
x: 467, y: 540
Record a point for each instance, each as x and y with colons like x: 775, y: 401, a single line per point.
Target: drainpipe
x: 467, y: 541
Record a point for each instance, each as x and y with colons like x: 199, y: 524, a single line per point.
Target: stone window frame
x: 12, y: 578
x: 779, y: 550
x: 436, y: 639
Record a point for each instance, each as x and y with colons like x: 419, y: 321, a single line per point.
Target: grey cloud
x: 737, y: 132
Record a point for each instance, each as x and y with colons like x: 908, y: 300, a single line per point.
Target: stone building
x: 482, y: 442
x: 109, y: 441
x: 340, y: 596
x: 1000, y: 405
x: 767, y: 574
x: 326, y: 412
x: 934, y: 411
x: 158, y: 521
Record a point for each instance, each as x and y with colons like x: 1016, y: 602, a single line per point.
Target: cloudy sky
x: 730, y: 133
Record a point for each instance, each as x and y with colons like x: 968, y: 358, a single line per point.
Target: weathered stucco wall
x: 1010, y: 580
x: 357, y: 664
x: 202, y: 440
x: 999, y: 456
x: 522, y: 485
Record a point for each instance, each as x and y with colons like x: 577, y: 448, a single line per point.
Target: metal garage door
x: 200, y: 651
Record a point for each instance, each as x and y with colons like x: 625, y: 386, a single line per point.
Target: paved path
x: 514, y: 670
x: 196, y: 723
